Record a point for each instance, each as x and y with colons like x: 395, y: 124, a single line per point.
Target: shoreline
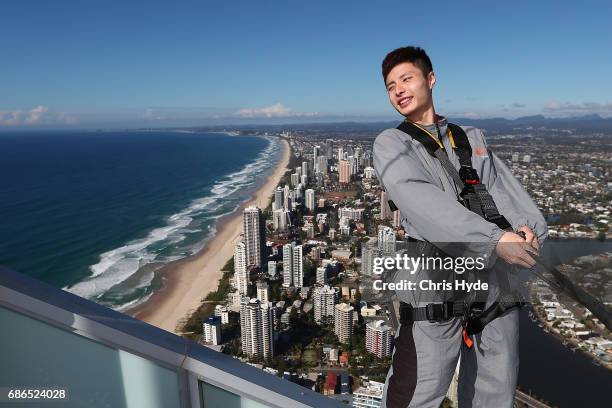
x: 187, y: 281
x: 567, y: 341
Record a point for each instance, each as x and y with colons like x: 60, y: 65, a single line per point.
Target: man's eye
x: 407, y: 78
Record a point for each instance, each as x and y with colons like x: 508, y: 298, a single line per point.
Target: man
x: 428, y: 198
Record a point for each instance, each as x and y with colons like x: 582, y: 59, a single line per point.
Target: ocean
x: 96, y: 213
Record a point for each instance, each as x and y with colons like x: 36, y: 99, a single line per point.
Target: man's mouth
x: 404, y: 101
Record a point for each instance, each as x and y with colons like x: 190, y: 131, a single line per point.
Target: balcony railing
x: 51, y: 339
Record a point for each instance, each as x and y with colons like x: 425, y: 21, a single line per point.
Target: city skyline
x: 78, y: 65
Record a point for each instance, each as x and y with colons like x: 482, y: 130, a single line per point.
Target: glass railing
x: 56, y: 346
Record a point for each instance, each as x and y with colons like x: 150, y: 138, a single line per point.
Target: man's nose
x: 399, y: 89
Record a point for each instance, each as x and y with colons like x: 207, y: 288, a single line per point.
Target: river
x: 550, y: 370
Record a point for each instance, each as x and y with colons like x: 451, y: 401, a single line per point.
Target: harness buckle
x: 430, y: 313
x: 469, y: 175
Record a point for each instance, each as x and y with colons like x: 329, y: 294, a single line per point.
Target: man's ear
x: 431, y: 80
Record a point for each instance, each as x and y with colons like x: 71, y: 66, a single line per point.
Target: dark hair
x: 415, y: 55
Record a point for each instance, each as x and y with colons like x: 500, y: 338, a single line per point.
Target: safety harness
x: 476, y: 198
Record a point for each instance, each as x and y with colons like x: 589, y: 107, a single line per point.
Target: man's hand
x: 530, y: 237
x: 513, y: 249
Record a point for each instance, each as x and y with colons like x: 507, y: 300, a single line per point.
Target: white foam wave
x: 117, y: 265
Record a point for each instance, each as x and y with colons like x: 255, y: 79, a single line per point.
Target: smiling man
x: 454, y: 196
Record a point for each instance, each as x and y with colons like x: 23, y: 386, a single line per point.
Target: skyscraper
x: 322, y: 275
x: 310, y: 199
x: 256, y: 328
x: 322, y: 165
x: 305, y: 169
x: 397, y: 219
x: 254, y: 235
x: 369, y: 251
x: 286, y: 198
x: 293, y: 268
x: 295, y: 179
x: 344, y: 168
x: 378, y: 338
x: 278, y: 197
x: 211, y: 330
x: 324, y: 299
x: 262, y: 292
x: 343, y: 326
x: 386, y: 240
x: 280, y: 219
x: 241, y: 271
x: 385, y: 211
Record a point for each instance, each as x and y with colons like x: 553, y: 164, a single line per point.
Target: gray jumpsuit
x: 426, y: 354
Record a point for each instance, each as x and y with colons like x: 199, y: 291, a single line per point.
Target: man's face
x: 409, y: 91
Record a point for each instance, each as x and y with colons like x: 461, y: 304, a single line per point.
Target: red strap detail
x: 467, y: 340
x: 471, y: 181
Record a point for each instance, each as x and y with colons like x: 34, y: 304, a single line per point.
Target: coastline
x: 186, y: 282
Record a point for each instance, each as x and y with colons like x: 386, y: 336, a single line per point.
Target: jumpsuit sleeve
x: 512, y: 201
x: 437, y: 217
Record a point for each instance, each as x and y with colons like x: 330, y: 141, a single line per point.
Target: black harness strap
x: 420, y: 136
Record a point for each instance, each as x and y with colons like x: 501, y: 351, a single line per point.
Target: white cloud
x: 589, y: 107
x: 274, y: 111
x: 35, y: 116
x: 467, y: 115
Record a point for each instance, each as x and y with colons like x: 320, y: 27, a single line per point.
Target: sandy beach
x: 187, y: 281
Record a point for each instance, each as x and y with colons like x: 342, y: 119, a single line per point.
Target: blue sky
x: 87, y: 63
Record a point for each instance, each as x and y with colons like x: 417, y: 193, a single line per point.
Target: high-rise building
x: 385, y: 211
x: 386, y: 240
x: 329, y: 149
x: 353, y: 164
x: 272, y: 268
x: 279, y: 219
x: 397, y: 219
x: 343, y: 326
x: 241, y: 270
x: 295, y: 179
x: 322, y: 165
x: 262, y: 292
x: 278, y: 197
x: 223, y: 313
x: 305, y: 169
x: 358, y: 155
x: 515, y: 157
x: 344, y: 168
x: 254, y: 235
x: 369, y: 251
x: 324, y: 299
x: 293, y: 268
x: 322, y: 275
x: 378, y: 338
x: 256, y: 328
x: 212, y: 330
x: 369, y: 173
x: 286, y: 198
x: 340, y: 154
x: 310, y: 199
